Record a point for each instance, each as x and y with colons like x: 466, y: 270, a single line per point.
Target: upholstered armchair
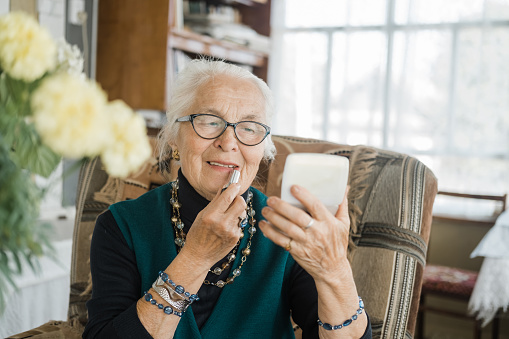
x: 390, y: 198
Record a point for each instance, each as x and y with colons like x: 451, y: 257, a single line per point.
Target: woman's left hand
x: 317, y: 240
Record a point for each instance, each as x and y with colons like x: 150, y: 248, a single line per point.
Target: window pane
x: 356, y: 91
x: 437, y: 11
x: 316, y: 13
x: 451, y: 114
x: 301, y: 89
x: 367, y: 12
x: 334, y: 13
x: 481, y: 107
x: 420, y: 91
x: 476, y: 175
x: 497, y: 9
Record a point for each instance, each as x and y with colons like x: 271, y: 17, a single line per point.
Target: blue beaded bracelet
x: 347, y: 322
x: 178, y: 288
x: 168, y: 310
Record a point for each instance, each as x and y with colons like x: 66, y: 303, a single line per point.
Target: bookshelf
x: 139, y: 44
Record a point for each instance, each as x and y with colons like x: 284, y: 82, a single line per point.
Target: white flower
x: 68, y: 113
x: 129, y: 147
x: 69, y: 58
x: 27, y: 50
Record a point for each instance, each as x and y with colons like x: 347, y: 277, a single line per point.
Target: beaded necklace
x: 180, y: 236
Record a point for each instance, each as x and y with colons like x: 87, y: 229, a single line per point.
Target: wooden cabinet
x: 137, y: 40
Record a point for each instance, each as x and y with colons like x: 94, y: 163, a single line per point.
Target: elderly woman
x: 188, y: 260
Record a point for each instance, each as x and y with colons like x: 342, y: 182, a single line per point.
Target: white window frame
x: 390, y: 29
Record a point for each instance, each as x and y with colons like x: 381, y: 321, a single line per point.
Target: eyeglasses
x: 208, y: 126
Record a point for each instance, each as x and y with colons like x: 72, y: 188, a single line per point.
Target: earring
x: 175, y: 155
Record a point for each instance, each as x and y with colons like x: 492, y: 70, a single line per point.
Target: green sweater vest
x: 255, y: 306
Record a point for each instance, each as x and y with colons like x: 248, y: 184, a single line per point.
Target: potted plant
x: 50, y: 110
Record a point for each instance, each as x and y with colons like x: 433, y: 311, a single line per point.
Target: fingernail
x: 296, y: 188
x: 262, y: 224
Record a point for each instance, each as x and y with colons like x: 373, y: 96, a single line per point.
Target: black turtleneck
x: 113, y: 314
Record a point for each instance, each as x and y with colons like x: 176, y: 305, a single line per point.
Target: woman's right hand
x: 216, y: 231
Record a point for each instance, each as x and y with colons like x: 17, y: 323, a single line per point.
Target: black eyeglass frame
x: 191, y: 118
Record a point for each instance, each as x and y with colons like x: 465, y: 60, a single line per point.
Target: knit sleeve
x: 116, y: 285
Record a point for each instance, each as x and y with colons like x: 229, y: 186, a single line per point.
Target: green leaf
x: 4, y: 94
x: 3, y: 258
x: 7, y: 274
x: 30, y: 153
x: 10, y: 126
x: 15, y: 96
x: 33, y: 261
x: 44, y: 162
x: 21, y: 138
x: 19, y: 268
x: 19, y: 90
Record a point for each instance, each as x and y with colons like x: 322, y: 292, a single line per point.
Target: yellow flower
x: 27, y: 50
x: 130, y: 147
x: 68, y: 113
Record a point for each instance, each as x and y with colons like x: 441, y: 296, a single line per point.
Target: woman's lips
x: 214, y: 163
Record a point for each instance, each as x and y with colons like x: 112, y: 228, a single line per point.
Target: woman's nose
x: 227, y: 141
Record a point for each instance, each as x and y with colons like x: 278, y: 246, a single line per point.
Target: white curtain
x: 423, y: 77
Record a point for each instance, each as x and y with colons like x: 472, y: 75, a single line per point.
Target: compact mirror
x: 324, y: 175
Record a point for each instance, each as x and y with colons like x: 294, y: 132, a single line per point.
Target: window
x: 424, y: 77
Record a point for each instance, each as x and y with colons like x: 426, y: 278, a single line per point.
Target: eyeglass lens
x: 210, y: 126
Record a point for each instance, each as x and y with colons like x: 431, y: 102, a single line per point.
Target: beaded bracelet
x: 175, y: 295
x: 168, y: 310
x: 178, y: 288
x: 347, y: 322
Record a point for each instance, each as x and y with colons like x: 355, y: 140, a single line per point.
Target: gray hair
x: 196, y: 73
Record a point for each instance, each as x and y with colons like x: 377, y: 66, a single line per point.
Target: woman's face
x: 206, y: 164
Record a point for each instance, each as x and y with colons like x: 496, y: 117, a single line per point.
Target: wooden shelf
x: 200, y: 44
x: 137, y: 43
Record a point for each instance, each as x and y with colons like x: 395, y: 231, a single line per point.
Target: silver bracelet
x: 166, y: 291
x: 177, y: 305
x: 171, y: 289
